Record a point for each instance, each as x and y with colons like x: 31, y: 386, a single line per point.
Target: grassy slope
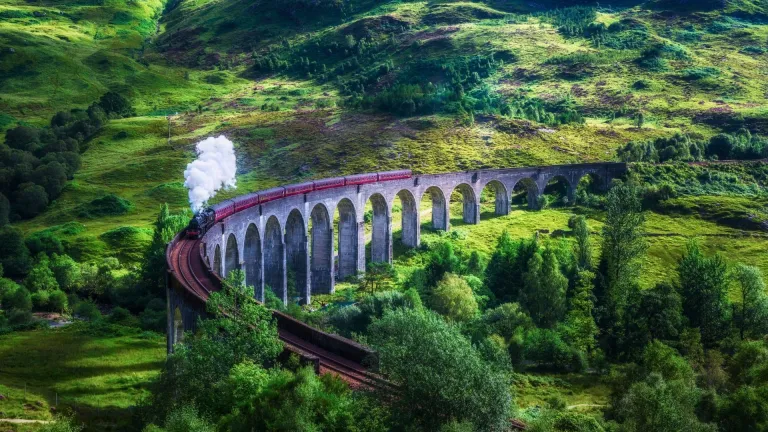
x: 99, y: 375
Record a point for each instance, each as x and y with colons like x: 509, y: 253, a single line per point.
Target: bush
x: 154, y: 316
x: 547, y: 349
x: 122, y: 316
x: 88, y: 311
x: 454, y: 298
x: 700, y: 73
x: 58, y: 302
x: 108, y: 205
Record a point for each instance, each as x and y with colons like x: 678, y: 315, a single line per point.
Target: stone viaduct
x: 298, y: 238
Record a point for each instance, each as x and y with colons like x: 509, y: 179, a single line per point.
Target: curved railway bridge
x: 297, y: 234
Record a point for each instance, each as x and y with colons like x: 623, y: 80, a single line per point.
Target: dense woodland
x: 641, y: 308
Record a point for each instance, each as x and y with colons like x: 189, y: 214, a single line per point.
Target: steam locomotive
x: 205, y: 218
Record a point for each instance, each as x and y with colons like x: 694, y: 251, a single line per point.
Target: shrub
x: 108, y: 205
x: 454, y: 298
x: 547, y: 349
x: 88, y: 311
x: 700, y: 73
x: 58, y: 302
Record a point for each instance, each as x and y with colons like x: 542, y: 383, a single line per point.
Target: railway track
x: 189, y: 268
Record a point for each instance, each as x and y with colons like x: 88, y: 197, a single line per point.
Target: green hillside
x: 310, y: 89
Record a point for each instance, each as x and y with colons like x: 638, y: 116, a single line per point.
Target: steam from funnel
x: 214, y: 169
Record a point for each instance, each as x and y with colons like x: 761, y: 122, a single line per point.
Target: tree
x: 52, y: 177
x: 655, y: 313
x: 442, y: 260
x: 440, y: 377
x: 377, y: 276
x: 166, y: 226
x: 507, y: 320
x: 30, y: 200
x: 579, y: 328
x: 639, y: 119
x: 545, y: 289
x: 583, y: 244
x: 5, y: 210
x: 41, y: 278
x: 504, y: 273
x: 661, y: 405
x: 752, y: 312
x: 238, y: 330
x: 115, y: 105
x: 66, y: 271
x: 704, y: 288
x: 623, y: 246
x: 14, y: 255
x: 746, y: 409
x: 454, y: 298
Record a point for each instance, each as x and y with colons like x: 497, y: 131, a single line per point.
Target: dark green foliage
x: 583, y: 250
x: 14, y: 255
x: 547, y: 350
x: 238, y: 330
x: 108, y: 205
x: 573, y: 21
x: 751, y: 314
x: 29, y: 200
x: 5, y: 210
x: 746, y: 409
x: 442, y: 259
x: 704, y: 288
x: 88, y: 311
x: 544, y: 289
x: 700, y: 73
x: 441, y: 377
x: 154, y: 316
x: 35, y: 163
x: 653, y: 314
x: 561, y: 420
x: 623, y: 246
x: 747, y: 179
x: 45, y: 242
x: 679, y: 147
x: 657, y: 404
x: 504, y: 274
x: 115, y: 105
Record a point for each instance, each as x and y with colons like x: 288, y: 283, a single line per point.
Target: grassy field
x: 100, y: 373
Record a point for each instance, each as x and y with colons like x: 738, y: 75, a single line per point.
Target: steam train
x: 205, y: 218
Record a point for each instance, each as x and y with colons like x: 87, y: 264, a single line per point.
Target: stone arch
x: 528, y: 187
x: 178, y: 326
x: 501, y: 197
x: 348, y: 239
x: 470, y: 212
x: 296, y: 254
x: 560, y: 188
x: 381, y: 230
x: 274, y: 258
x: 591, y: 182
x: 439, y: 208
x: 410, y: 218
x: 231, y: 256
x: 252, y: 259
x: 321, y: 260
x: 217, y: 260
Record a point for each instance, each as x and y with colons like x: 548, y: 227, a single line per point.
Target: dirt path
x: 25, y: 421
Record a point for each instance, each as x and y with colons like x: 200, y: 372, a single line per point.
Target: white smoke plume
x: 214, y: 169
